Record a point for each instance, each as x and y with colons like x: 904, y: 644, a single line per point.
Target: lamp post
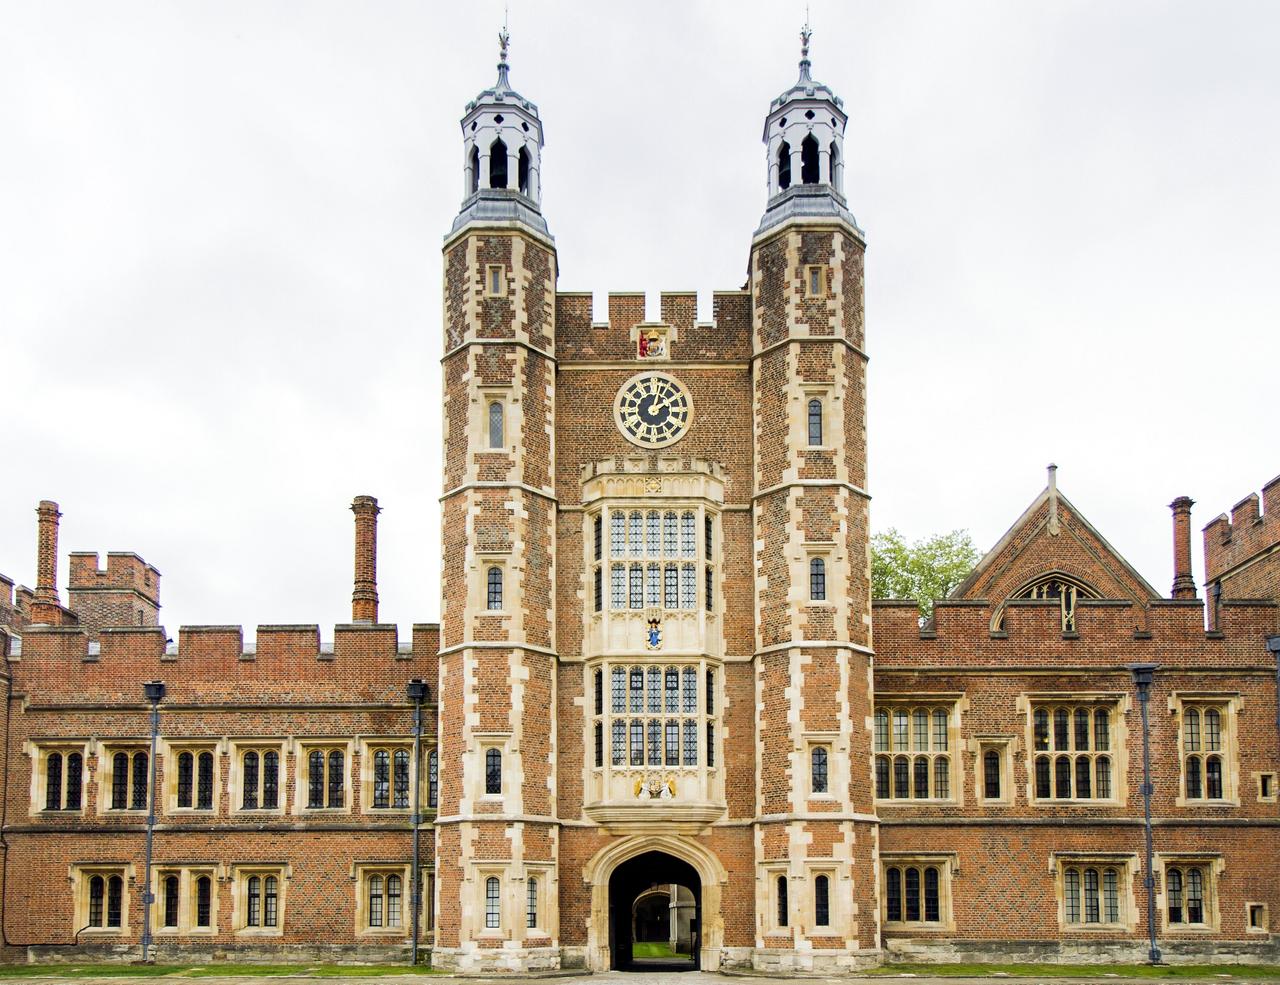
x: 417, y: 690
x: 1142, y: 675
x: 154, y: 691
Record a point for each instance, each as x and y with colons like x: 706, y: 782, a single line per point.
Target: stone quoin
x: 662, y: 707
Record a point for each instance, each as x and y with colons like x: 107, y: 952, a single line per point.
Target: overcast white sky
x: 220, y: 273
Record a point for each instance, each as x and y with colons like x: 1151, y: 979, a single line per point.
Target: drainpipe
x: 155, y: 692
x: 417, y: 690
x: 1142, y: 675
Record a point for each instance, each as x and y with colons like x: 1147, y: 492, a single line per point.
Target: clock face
x: 653, y: 410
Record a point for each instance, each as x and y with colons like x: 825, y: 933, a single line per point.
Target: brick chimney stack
x: 1184, y: 586
x: 45, y: 606
x: 364, y: 600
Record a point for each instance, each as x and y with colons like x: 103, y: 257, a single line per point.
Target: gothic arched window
x: 784, y: 174
x: 835, y: 161
x: 809, y: 160
x: 475, y: 170
x: 498, y: 164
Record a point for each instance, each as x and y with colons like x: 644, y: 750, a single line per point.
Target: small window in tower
x: 784, y: 166
x: 834, y: 152
x: 496, y: 429
x: 809, y: 114
x: 522, y: 174
x: 809, y: 160
x: 494, y: 589
x: 475, y: 169
x: 495, y: 280
x: 815, y: 422
x: 498, y: 164
x: 815, y: 281
x: 817, y: 579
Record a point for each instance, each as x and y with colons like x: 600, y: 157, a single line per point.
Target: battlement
x: 1229, y: 543
x: 1032, y: 631
x: 366, y: 661
x: 125, y: 571
x: 677, y: 332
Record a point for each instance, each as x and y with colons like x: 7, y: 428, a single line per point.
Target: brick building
x: 658, y: 670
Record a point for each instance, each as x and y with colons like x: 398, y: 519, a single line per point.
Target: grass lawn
x: 1092, y: 971
x: 655, y: 949
x: 226, y: 970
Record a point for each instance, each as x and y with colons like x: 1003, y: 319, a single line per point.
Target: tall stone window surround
x: 188, y: 877
x: 835, y: 748
x: 838, y: 887
x: 1003, y: 748
x: 495, y: 280
x: 82, y: 876
x: 480, y: 422
x: 1075, y: 891
x: 170, y: 751
x: 832, y: 577
x: 1118, y: 704
x: 369, y: 748
x: 482, y: 584
x: 302, y: 749
x: 945, y: 864
x: 650, y: 486
x: 645, y: 700
x: 832, y: 427
x: 1211, y: 867
x: 941, y: 749
x: 1191, y: 715
x: 370, y: 877
x: 483, y: 908
x: 135, y: 802
x: 243, y: 908
x: 779, y: 917
x: 237, y: 779
x: 547, y: 925
x: 39, y: 753
x: 476, y: 777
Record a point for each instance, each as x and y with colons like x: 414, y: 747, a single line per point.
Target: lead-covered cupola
x: 804, y: 137
x: 502, y: 154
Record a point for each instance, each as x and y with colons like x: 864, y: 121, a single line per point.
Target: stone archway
x: 712, y: 878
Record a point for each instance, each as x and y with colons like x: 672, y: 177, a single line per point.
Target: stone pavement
x: 48, y: 975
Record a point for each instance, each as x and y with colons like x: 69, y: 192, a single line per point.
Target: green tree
x: 925, y: 570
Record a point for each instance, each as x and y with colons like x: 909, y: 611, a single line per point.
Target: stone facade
x: 658, y: 671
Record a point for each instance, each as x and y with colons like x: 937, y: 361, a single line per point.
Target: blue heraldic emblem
x: 653, y: 635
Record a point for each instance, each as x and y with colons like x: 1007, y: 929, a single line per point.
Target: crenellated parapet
x: 1250, y: 534
x: 1107, y: 632
x: 216, y: 665
x: 676, y: 336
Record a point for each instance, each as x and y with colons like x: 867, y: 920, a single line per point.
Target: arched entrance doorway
x: 655, y: 913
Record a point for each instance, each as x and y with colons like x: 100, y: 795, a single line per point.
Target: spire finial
x: 504, y: 42
x: 806, y: 33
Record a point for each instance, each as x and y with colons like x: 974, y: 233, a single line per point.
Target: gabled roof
x: 1052, y: 536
